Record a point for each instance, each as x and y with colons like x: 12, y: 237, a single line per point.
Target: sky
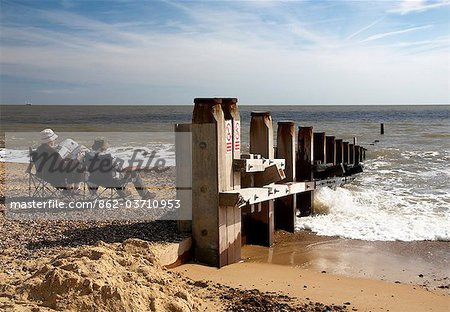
x: 262, y: 52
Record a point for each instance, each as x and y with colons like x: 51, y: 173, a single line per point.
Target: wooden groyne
x: 237, y: 198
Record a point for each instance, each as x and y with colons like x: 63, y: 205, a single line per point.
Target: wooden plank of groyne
x: 231, y: 114
x: 255, y: 195
x: 208, y: 179
x: 256, y: 165
x: 339, y: 151
x: 271, y: 174
x: 331, y: 149
x: 351, y: 153
x: 346, y: 159
x: 285, y: 207
x: 320, y: 150
x: 305, y: 162
x: 183, y: 158
x: 261, y: 142
x: 357, y: 154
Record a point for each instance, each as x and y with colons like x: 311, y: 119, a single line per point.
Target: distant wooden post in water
x: 382, y: 128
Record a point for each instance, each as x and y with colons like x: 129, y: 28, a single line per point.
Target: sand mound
x: 106, y: 277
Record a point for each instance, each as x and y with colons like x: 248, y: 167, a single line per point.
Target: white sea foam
x: 391, y: 200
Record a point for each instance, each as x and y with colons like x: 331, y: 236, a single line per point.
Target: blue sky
x: 263, y: 52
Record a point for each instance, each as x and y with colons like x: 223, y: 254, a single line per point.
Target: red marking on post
x: 237, y: 136
x: 228, y: 136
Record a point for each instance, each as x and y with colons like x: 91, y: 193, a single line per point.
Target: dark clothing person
x: 51, y: 167
x: 105, y: 170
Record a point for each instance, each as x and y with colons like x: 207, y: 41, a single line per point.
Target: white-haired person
x: 60, y: 172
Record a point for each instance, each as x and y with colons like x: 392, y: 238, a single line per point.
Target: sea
x: 402, y: 195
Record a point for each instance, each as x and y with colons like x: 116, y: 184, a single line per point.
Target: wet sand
x: 424, y: 263
x: 357, y: 294
x: 366, y: 276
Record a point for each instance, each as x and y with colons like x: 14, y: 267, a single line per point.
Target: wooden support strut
x: 305, y: 162
x: 285, y: 207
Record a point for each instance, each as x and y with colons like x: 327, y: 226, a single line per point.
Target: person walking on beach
x: 50, y: 166
x: 108, y: 171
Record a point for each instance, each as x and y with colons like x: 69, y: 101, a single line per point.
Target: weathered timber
x: 285, y: 207
x: 255, y: 195
x: 339, y: 151
x: 261, y: 142
x: 351, y: 150
x: 271, y: 174
x: 326, y: 171
x: 353, y: 169
x: 346, y: 155
x: 231, y: 114
x: 183, y: 158
x: 212, y: 224
x: 320, y: 150
x: 256, y: 165
x: 331, y: 149
x: 305, y: 161
x: 357, y: 154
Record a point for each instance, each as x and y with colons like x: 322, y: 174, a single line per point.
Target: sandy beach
x: 366, y: 276
x: 301, y: 272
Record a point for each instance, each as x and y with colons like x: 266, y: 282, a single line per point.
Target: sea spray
x: 391, y: 200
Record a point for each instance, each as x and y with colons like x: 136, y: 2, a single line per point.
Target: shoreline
x: 357, y: 294
x: 324, y: 269
x: 422, y: 263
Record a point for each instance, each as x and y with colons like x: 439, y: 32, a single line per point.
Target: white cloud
x: 410, y: 6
